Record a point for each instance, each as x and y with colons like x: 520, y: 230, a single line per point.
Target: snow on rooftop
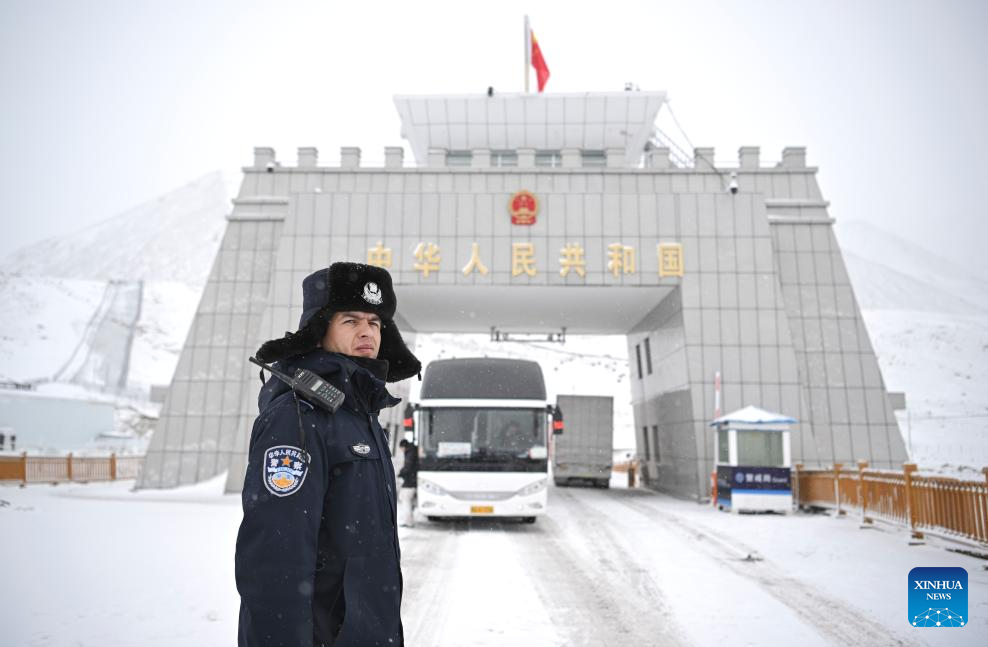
x: 752, y: 415
x: 511, y: 121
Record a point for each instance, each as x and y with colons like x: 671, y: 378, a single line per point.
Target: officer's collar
x: 377, y: 367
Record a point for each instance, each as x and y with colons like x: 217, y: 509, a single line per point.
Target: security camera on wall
x: 733, y: 186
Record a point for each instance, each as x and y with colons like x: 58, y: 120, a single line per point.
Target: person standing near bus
x: 317, y: 556
x: 409, y: 483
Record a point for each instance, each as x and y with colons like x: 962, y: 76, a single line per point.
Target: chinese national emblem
x: 524, y: 207
x: 284, y: 468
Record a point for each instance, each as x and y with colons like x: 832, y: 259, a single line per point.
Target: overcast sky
x: 107, y: 104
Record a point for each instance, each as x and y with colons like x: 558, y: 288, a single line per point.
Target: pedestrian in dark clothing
x: 318, y: 562
x: 409, y: 482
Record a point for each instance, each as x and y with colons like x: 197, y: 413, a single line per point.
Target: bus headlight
x: 431, y: 488
x: 533, y: 488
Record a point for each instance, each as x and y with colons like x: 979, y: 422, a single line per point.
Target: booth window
x: 648, y: 356
x: 648, y: 454
x: 760, y: 448
x: 723, y: 447
x: 638, y: 355
x: 655, y: 443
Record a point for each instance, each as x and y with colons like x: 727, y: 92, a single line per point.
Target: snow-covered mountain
x: 172, y: 238
x: 891, y: 273
x: 928, y: 321
x: 117, y: 295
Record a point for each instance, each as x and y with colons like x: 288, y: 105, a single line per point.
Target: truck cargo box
x: 584, y: 451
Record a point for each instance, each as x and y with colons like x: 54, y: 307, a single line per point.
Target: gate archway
x: 538, y: 214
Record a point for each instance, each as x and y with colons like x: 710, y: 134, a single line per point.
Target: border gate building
x: 557, y: 214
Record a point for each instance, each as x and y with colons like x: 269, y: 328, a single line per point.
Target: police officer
x: 317, y: 558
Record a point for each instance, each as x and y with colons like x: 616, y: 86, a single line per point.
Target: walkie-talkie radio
x: 310, y: 386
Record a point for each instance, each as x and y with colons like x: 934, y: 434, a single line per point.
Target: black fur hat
x: 346, y: 287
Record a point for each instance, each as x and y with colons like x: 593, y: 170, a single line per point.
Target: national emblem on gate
x: 524, y: 207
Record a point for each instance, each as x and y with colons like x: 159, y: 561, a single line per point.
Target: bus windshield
x: 483, y: 434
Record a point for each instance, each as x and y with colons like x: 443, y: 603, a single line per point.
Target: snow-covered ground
x: 41, y: 323
x: 98, y: 565
x: 101, y: 565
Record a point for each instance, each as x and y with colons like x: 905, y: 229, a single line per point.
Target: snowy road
x: 100, y: 565
x: 628, y: 567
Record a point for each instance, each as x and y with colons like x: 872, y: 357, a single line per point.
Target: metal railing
x: 62, y: 469
x: 935, y: 504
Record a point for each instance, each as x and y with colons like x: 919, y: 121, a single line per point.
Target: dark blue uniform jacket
x: 317, y: 555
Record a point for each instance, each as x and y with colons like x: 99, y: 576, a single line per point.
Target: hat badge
x: 372, y: 293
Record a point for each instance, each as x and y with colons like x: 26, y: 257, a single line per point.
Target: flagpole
x: 528, y: 51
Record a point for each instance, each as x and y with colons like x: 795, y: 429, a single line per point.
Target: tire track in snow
x: 813, y: 607
x: 427, y: 558
x: 591, y: 590
x: 595, y: 591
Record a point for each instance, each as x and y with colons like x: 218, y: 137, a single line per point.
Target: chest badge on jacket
x: 285, y: 468
x: 360, y: 449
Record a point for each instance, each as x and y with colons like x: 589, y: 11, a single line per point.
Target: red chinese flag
x: 541, y: 69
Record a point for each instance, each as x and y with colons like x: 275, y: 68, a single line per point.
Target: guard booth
x: 753, y: 461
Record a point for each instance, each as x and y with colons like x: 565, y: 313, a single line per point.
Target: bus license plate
x: 481, y: 509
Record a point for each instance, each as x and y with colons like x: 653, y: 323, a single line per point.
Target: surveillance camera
x: 270, y: 167
x: 733, y: 186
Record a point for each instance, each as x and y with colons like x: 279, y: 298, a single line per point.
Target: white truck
x: 585, y: 453
x: 483, y: 428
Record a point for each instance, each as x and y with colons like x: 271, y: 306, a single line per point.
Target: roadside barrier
x: 935, y: 504
x: 63, y: 469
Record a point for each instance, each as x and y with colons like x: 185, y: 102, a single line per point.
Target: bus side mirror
x: 557, y: 420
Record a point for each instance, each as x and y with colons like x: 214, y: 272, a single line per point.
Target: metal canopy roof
x: 586, y: 120
x: 526, y: 309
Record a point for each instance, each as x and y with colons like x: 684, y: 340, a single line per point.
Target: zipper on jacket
x: 387, y: 473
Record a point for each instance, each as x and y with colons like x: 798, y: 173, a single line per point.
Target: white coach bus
x: 483, y: 427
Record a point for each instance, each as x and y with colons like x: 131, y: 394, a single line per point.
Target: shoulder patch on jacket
x: 285, y: 468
